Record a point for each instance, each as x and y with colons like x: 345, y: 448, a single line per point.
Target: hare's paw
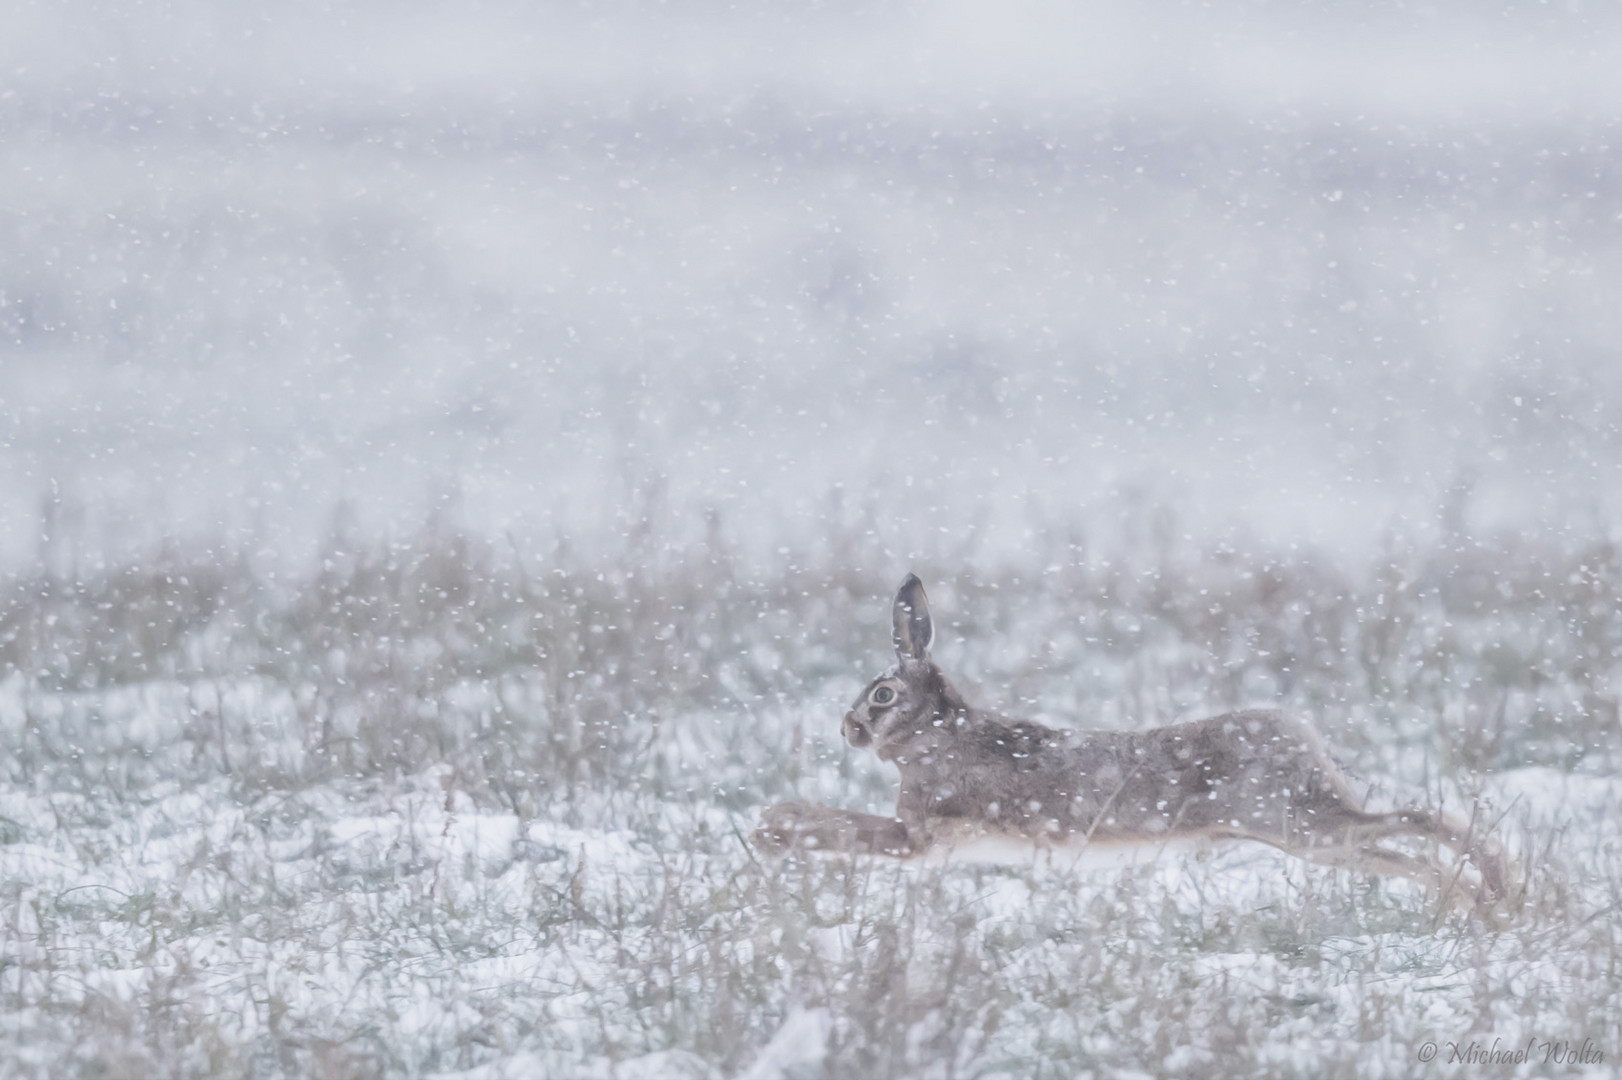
x: 786, y: 826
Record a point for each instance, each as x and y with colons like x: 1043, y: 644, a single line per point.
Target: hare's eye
x: 883, y: 695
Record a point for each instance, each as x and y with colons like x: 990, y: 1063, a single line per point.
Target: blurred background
x: 1309, y: 272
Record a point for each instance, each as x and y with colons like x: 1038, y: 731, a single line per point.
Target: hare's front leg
x: 809, y: 827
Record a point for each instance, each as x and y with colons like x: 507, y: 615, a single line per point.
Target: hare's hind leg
x: 1379, y: 860
x: 809, y: 827
x: 1359, y: 854
x: 1464, y: 838
x: 1374, y: 859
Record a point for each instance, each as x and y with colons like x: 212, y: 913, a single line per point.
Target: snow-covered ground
x: 413, y: 932
x: 428, y: 812
x: 454, y: 460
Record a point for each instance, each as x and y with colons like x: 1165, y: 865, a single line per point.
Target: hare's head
x: 911, y: 697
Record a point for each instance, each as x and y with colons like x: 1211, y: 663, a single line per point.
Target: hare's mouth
x: 857, y: 734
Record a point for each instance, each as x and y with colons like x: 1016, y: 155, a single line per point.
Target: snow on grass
x: 335, y: 829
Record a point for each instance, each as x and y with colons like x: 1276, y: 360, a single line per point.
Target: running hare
x: 968, y: 774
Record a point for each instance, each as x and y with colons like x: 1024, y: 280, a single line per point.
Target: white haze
x: 1292, y: 269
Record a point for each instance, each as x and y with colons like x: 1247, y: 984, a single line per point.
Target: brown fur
x: 967, y: 772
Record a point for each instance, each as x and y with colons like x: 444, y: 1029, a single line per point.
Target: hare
x: 968, y: 774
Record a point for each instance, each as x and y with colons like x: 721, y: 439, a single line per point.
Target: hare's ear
x: 914, y: 629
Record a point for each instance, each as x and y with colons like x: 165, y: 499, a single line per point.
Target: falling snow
x: 456, y: 459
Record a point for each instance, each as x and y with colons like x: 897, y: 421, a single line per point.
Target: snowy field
x: 429, y: 812
x: 455, y: 462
